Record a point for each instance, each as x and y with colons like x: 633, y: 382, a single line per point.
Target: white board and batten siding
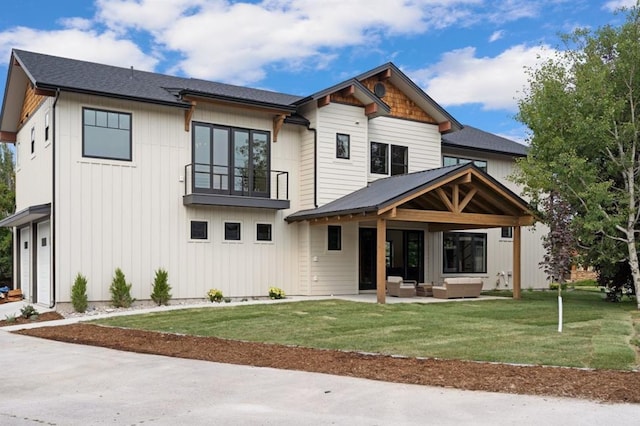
x: 338, y: 177
x: 422, y: 140
x: 333, y: 271
x: 130, y: 214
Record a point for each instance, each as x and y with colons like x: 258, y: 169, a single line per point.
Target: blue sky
x: 469, y: 55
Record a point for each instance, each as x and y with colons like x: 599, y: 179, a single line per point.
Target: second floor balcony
x: 221, y: 185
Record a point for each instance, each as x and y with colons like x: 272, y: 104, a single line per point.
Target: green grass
x: 596, y: 334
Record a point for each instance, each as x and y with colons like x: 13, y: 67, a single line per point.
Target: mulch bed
x: 45, y: 316
x: 600, y: 385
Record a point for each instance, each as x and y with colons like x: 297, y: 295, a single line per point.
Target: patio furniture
x: 458, y: 287
x: 424, y: 290
x: 398, y: 287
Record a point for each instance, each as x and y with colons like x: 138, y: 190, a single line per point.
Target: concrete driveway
x: 52, y: 383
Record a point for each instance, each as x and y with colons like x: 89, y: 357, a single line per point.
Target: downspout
x: 53, y: 200
x: 315, y: 165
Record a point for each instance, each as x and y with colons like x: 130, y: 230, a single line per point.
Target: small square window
x: 232, y: 231
x: 199, y: 230
x: 506, y: 232
x: 334, y: 238
x: 263, y: 232
x: 342, y: 146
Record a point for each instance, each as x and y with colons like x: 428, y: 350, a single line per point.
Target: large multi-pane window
x: 464, y: 252
x: 380, y: 159
x: 452, y: 161
x: 106, y: 134
x: 230, y: 160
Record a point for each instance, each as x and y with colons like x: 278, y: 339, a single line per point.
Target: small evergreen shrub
x: 161, y: 288
x: 29, y: 312
x: 120, y: 291
x: 79, y: 293
x: 215, y: 295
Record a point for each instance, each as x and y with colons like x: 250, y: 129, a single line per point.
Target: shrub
x: 79, y: 293
x: 617, y: 281
x: 276, y: 293
x: 120, y: 291
x: 161, y: 288
x: 554, y: 286
x: 215, y: 295
x: 10, y: 318
x: 29, y: 312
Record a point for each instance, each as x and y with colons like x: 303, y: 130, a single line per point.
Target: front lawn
x: 596, y: 333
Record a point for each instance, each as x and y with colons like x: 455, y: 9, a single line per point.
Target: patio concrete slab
x: 61, y: 383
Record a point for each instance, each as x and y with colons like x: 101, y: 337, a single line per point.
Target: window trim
x: 482, y: 235
x: 206, y: 230
x: 224, y: 233
x: 344, y: 139
x: 386, y: 158
x: 338, y: 246
x: 464, y: 160
x: 130, y: 131
x: 270, y: 225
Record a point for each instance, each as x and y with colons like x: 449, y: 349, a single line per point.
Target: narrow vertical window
x: 33, y: 140
x: 399, y: 160
x: 46, y: 127
x: 342, y: 146
x: 334, y: 237
x: 379, y: 158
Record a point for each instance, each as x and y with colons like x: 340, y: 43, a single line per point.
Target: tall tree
x: 582, y: 109
x: 7, y: 206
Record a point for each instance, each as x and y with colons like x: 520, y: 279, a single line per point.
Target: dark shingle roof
x: 51, y: 72
x: 471, y: 138
x: 378, y: 194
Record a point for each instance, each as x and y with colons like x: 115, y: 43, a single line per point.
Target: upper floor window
x: 106, y: 134
x: 452, y: 161
x: 399, y: 160
x: 33, y: 140
x: 230, y: 160
x: 342, y: 146
x: 464, y: 252
x: 46, y: 127
x: 380, y: 159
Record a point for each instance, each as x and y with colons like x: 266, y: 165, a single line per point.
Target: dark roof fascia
x: 309, y: 214
x: 238, y: 101
x: 343, y: 85
x: 26, y: 215
x: 177, y: 104
x: 476, y: 149
x: 414, y: 86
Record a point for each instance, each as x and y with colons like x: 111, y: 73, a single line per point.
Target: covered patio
x: 460, y: 197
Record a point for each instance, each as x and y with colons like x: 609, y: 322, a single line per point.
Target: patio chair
x: 399, y: 287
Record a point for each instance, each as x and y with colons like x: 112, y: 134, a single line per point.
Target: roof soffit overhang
x: 15, y: 86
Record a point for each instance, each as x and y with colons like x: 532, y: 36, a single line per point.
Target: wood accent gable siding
x: 31, y: 102
x: 400, y: 104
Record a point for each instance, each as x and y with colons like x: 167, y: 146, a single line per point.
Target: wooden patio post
x: 517, y: 261
x: 381, y: 265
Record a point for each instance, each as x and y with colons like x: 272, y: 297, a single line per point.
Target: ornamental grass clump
x: 161, y: 288
x: 120, y: 291
x: 276, y: 293
x: 215, y: 295
x: 79, y: 293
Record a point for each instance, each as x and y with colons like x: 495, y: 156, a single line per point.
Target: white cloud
x: 73, y: 43
x: 460, y: 77
x: 617, y: 4
x: 497, y: 35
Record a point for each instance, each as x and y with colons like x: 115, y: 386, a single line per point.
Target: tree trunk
x: 633, y: 263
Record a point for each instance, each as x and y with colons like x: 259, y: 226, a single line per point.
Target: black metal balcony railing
x: 211, y: 184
